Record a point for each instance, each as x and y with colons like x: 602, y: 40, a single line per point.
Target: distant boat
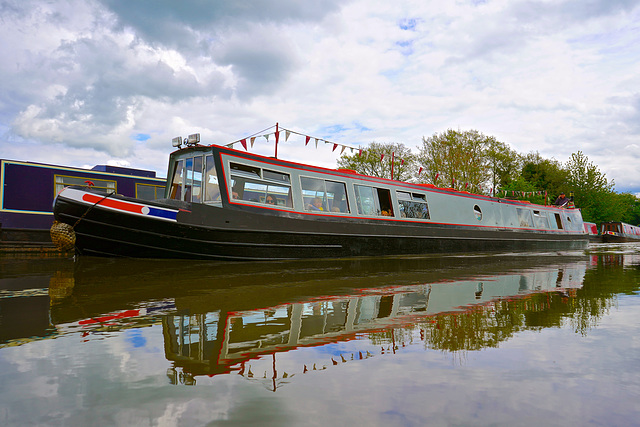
x: 619, y: 232
x: 591, y: 228
x: 221, y: 203
x: 28, y: 190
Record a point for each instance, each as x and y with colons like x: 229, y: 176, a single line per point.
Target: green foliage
x: 482, y: 162
x: 369, y: 162
x: 593, y: 193
x: 544, y: 174
x: 517, y: 186
x: 630, y: 206
x: 457, y: 159
x: 503, y: 164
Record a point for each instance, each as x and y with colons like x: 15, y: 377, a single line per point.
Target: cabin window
x: 188, y: 182
x: 176, y: 182
x: 211, y: 187
x: 558, y: 221
x: 62, y: 181
x: 373, y: 201
x: 366, y: 200
x: 412, y: 205
x: 540, y: 220
x: 477, y: 212
x: 196, y: 191
x: 524, y: 215
x: 324, y: 195
x: 257, y: 185
x: 149, y: 192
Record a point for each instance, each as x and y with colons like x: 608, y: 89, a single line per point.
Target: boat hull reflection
x: 217, y: 316
x: 215, y: 342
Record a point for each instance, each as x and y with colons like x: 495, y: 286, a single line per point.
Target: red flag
x: 307, y: 140
x: 244, y: 144
x: 419, y: 171
x: 381, y: 157
x: 334, y: 147
x: 359, y: 152
x: 402, y: 161
x: 466, y: 184
x: 437, y: 175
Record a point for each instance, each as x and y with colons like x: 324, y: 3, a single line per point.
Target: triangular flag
x: 420, y: 171
x: 307, y: 138
x: 253, y: 139
x: 286, y: 135
x: 360, y: 152
x: 244, y: 144
x: 437, y: 175
x: 402, y: 161
x: 266, y: 137
x: 342, y: 151
x: 351, y: 150
x: 381, y: 157
x: 334, y: 147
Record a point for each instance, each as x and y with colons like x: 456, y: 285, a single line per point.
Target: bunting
x: 307, y: 138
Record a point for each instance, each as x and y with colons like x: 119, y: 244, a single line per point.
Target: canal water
x: 494, y: 339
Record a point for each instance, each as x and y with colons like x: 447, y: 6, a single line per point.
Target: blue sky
x: 86, y: 82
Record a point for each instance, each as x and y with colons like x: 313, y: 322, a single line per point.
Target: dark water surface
x: 504, y: 339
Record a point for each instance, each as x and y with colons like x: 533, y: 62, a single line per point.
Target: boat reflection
x: 219, y: 318
x: 451, y: 314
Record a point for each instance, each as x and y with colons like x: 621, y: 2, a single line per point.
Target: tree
x: 375, y: 160
x: 544, y: 174
x: 457, y: 159
x: 593, y: 193
x: 503, y: 165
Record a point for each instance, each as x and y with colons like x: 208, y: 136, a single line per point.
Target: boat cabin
x: 224, y: 177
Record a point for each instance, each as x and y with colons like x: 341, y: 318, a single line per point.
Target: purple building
x: 28, y: 189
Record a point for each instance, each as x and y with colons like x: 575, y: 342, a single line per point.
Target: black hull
x: 609, y: 238
x: 207, y: 232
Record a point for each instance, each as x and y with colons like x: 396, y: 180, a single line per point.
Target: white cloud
x: 88, y: 78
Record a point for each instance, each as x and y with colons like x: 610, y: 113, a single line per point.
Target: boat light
x: 193, y: 139
x: 177, y: 141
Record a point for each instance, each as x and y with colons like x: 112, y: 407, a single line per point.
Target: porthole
x: 478, y: 212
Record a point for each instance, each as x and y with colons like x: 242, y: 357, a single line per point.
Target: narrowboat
x: 28, y: 189
x: 619, y: 232
x: 227, y: 204
x: 591, y: 228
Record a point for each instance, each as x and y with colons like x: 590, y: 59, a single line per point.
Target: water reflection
x: 219, y: 318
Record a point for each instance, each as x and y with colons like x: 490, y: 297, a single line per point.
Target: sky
x: 88, y: 82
